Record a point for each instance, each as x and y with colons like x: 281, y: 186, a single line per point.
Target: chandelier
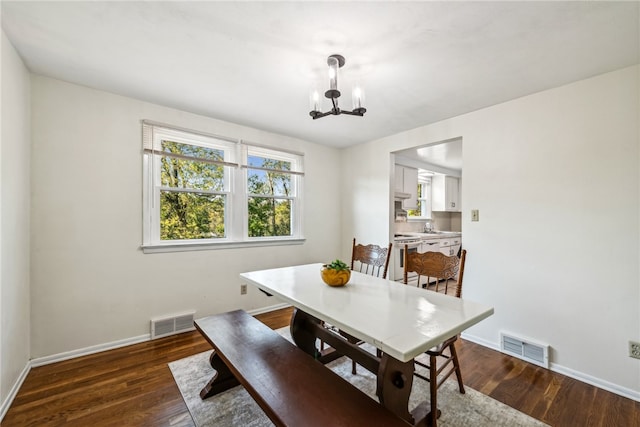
x: 357, y: 97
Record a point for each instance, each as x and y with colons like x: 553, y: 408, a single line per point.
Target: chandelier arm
x: 357, y: 112
x: 318, y: 115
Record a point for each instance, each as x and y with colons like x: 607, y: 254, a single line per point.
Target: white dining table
x: 403, y: 321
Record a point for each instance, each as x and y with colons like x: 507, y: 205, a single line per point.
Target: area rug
x: 236, y: 408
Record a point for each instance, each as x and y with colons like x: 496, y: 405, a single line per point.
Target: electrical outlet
x: 475, y: 215
x: 243, y: 289
x: 634, y: 349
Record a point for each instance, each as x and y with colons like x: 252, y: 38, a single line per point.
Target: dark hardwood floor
x: 132, y: 386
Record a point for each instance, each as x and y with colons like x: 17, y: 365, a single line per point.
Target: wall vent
x: 170, y: 325
x: 525, y: 349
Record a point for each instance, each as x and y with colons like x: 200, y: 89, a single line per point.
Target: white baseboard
x: 580, y: 376
x: 268, y: 309
x: 600, y: 383
x: 40, y: 361
x: 14, y: 391
x: 481, y: 341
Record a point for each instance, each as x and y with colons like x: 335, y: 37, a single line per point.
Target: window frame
x: 426, y: 212
x: 296, y: 173
x: 235, y: 191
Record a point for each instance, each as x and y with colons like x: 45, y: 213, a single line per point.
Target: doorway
x: 438, y: 169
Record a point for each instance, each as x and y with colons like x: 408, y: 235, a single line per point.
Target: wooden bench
x: 290, y: 386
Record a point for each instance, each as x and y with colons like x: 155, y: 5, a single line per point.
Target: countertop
x: 431, y: 236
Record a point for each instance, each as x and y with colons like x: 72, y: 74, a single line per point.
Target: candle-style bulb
x: 333, y: 72
x: 357, y: 97
x: 314, y: 100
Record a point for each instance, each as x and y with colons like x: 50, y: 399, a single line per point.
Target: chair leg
x: 433, y: 387
x: 353, y: 367
x: 456, y: 365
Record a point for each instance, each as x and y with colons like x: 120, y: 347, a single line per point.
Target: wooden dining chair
x: 439, y: 266
x: 435, y: 265
x: 370, y: 259
x: 373, y: 260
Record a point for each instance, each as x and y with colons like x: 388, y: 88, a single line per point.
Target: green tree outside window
x: 269, y: 205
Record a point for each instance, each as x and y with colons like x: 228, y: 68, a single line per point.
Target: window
x: 205, y: 191
x: 271, y: 192
x: 424, y: 199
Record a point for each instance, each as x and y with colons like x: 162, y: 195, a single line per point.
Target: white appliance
x: 413, y: 245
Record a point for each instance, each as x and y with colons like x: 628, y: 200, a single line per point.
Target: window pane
x: 265, y: 162
x: 269, y: 217
x: 193, y: 150
x: 191, y: 216
x: 418, y: 210
x: 180, y: 173
x: 268, y: 183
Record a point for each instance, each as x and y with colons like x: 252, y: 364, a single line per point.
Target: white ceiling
x: 253, y: 63
x: 445, y: 156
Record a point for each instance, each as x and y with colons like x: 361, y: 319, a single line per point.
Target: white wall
x: 91, y: 282
x: 365, y: 182
x: 14, y: 222
x: 555, y: 177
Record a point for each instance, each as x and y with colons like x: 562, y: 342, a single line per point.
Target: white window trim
x: 236, y: 215
x: 297, y: 173
x: 425, y: 205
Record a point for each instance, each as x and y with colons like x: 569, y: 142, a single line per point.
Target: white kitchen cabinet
x: 430, y: 246
x: 445, y: 193
x: 450, y: 246
x: 406, y: 181
x: 399, y: 179
x: 455, y: 247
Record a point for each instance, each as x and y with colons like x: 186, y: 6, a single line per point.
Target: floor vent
x: 525, y: 349
x: 170, y: 325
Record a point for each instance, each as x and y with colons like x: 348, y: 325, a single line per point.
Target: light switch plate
x: 475, y: 215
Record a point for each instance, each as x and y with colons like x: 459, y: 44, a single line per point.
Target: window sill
x: 418, y: 218
x: 186, y: 247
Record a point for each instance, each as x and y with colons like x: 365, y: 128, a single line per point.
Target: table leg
x: 301, y: 329
x: 395, y: 379
x: 222, y: 379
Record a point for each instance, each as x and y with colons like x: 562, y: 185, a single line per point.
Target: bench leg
x: 222, y: 380
x: 394, y: 382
